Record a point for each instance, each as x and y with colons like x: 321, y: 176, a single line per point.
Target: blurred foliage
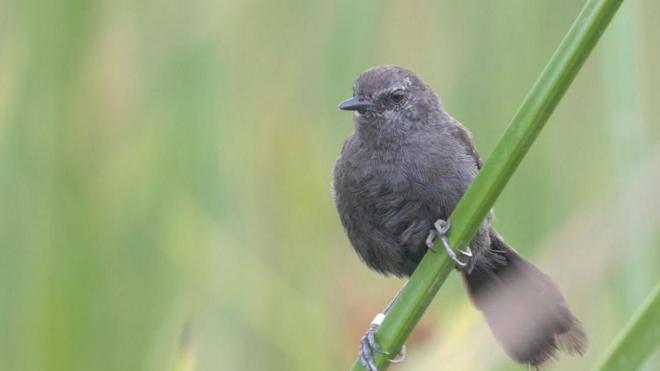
x: 637, y: 340
x: 164, y: 162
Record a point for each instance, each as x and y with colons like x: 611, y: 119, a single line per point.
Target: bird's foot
x: 440, y: 230
x: 368, y: 345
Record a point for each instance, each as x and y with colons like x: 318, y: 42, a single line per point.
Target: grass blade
x: 637, y: 340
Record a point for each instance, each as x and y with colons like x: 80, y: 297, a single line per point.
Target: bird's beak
x: 356, y: 104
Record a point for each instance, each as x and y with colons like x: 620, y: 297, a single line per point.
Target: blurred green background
x: 166, y: 165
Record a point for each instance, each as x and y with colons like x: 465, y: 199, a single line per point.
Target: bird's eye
x: 397, y: 95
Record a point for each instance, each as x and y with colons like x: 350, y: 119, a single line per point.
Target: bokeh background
x: 165, y: 172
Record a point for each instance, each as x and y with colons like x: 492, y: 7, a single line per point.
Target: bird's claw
x: 368, y: 345
x: 440, y: 230
x: 400, y: 356
x: 366, y: 356
x: 429, y: 240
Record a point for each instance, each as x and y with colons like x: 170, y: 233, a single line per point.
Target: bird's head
x: 390, y: 93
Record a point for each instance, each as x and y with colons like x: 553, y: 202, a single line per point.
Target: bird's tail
x: 523, y: 307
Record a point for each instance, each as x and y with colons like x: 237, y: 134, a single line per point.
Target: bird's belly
x: 390, y: 226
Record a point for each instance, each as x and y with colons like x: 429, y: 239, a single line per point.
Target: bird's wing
x: 463, y: 135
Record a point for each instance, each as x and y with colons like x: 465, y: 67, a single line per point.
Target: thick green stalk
x: 487, y: 186
x: 637, y: 340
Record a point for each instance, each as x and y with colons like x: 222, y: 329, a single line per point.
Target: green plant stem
x: 637, y: 340
x: 487, y: 186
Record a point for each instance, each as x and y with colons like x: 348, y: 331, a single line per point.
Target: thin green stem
x: 487, y: 186
x: 637, y: 340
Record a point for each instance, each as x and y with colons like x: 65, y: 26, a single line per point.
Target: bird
x: 395, y: 183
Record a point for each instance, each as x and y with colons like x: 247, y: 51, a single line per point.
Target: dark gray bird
x: 399, y: 176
